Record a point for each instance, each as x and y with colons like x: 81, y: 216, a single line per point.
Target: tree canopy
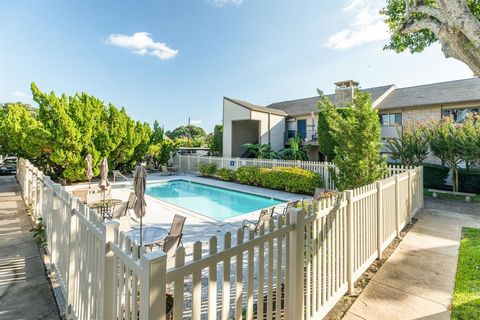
x: 416, y: 24
x: 355, y: 138
x: 189, y: 132
x: 58, y: 136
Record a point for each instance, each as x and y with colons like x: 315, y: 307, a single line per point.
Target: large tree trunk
x: 455, y: 27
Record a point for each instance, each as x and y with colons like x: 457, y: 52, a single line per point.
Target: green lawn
x: 466, y: 298
x: 449, y: 196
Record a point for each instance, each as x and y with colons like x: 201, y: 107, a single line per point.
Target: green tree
x: 82, y: 124
x: 328, y: 117
x: 411, y: 146
x: 356, y: 136
x: 22, y: 134
x: 454, y: 24
x: 189, y: 132
x: 157, y: 133
x: 446, y: 143
x: 217, y: 141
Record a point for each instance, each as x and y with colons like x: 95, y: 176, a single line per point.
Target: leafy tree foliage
x: 455, y: 24
x: 189, y: 132
x: 411, y: 146
x: 259, y: 151
x: 327, y: 117
x: 295, y: 152
x: 21, y: 133
x: 65, y: 129
x: 447, y: 143
x: 356, y: 140
x: 217, y: 140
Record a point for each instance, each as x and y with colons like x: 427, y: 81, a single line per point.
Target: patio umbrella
x: 139, y: 185
x: 170, y: 161
x: 104, y: 183
x: 88, y: 169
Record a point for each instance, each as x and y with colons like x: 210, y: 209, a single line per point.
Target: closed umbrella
x: 171, y: 159
x: 88, y: 169
x: 139, y: 185
x: 104, y: 183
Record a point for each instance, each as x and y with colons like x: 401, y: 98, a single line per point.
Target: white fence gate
x: 295, y: 267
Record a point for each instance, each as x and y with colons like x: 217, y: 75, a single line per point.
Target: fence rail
x: 295, y: 267
x: 190, y: 163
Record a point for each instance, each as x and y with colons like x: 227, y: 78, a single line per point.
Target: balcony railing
x: 307, y: 136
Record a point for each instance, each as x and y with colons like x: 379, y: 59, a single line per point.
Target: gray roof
x: 307, y: 105
x: 254, y: 107
x: 433, y: 94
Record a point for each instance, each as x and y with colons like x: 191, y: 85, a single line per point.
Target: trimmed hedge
x: 469, y: 180
x: 290, y: 179
x: 227, y: 174
x: 207, y: 170
x: 434, y: 176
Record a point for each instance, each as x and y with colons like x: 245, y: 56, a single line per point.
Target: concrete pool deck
x: 197, y: 227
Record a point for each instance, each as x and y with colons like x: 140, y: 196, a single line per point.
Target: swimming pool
x: 217, y: 203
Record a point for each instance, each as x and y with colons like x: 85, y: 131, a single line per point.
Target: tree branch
x: 415, y: 26
x: 430, y: 11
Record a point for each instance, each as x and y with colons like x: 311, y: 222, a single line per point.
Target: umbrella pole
x: 140, y: 231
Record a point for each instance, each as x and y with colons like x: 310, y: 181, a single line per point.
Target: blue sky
x: 170, y: 60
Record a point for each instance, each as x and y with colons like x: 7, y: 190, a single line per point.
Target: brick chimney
x: 344, y: 91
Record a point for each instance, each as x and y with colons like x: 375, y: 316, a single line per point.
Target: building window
x: 459, y: 115
x: 391, y: 119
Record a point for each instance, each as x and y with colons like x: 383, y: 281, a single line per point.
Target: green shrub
x: 469, y: 180
x: 227, y: 174
x: 207, y: 170
x: 434, y: 176
x: 248, y: 175
x: 290, y: 179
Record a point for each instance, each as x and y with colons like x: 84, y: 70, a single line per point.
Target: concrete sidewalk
x: 418, y: 279
x: 25, y: 292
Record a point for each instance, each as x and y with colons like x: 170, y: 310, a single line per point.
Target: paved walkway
x: 418, y: 279
x: 25, y: 292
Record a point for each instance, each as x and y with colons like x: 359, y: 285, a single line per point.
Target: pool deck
x: 197, y: 227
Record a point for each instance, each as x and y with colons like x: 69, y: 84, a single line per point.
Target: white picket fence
x: 189, y: 163
x: 296, y: 267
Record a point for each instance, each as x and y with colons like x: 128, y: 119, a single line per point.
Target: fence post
x: 397, y: 205
x: 420, y: 185
x: 72, y: 243
x: 109, y: 287
x: 379, y: 219
x: 410, y: 198
x: 153, y: 286
x: 295, y: 279
x: 350, y: 243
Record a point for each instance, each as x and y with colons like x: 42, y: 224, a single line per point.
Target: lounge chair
x: 176, y: 230
x: 170, y: 247
x: 264, y: 216
x: 165, y: 171
x: 291, y: 204
x: 123, y: 208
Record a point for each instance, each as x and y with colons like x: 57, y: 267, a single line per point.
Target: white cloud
x: 220, y: 3
x: 367, y: 25
x: 195, y: 122
x: 19, y: 94
x: 142, y: 43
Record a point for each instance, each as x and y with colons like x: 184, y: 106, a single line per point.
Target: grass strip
x: 466, y: 298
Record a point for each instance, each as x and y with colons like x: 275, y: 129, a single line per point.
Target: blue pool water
x: 217, y: 203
